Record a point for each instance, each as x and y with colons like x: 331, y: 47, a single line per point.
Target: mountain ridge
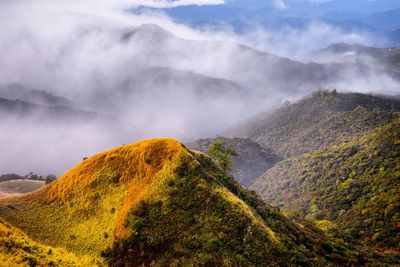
x: 141, y: 197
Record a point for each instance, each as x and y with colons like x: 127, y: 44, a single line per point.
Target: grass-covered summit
x: 157, y: 203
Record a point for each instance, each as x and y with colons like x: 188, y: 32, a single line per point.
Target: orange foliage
x: 133, y: 167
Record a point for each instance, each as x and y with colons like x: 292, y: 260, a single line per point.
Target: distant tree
x: 49, y: 179
x: 222, y: 155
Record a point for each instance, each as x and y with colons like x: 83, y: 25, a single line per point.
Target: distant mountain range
x: 381, y: 17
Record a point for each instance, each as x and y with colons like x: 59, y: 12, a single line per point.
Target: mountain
x: 252, y: 159
x: 157, y: 203
x: 39, y: 97
x: 319, y: 121
x: 343, y: 48
x: 340, y: 167
x: 359, y: 6
x: 305, y: 8
x: 385, y: 21
x: 394, y: 37
x: 354, y: 15
x: 243, y: 20
x: 352, y: 186
x: 26, y: 110
x: 387, y: 58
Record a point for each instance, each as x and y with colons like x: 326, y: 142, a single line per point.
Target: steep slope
x: 355, y: 185
x: 252, y: 161
x: 157, y: 203
x: 319, y: 121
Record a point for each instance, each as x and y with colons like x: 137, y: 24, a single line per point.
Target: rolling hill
x: 157, y: 203
x: 340, y: 167
x: 322, y: 120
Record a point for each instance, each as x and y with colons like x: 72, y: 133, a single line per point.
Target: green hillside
x: 157, y: 203
x: 252, y: 159
x: 353, y: 187
x: 17, y: 249
x: 322, y: 120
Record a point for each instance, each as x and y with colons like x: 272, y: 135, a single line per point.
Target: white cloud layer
x: 177, y: 82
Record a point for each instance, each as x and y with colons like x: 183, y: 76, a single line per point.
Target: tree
x: 222, y: 154
x: 50, y: 178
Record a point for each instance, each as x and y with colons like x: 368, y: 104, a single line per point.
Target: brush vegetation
x: 326, y: 118
x: 157, y: 203
x: 17, y: 249
x: 353, y: 187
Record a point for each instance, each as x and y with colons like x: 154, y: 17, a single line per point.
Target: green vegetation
x: 326, y: 118
x: 17, y: 249
x: 353, y: 186
x: 222, y: 155
x: 157, y: 203
x: 252, y: 160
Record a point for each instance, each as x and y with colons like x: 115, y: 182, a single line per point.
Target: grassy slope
x: 355, y: 184
x: 17, y: 249
x: 317, y: 122
x: 156, y: 201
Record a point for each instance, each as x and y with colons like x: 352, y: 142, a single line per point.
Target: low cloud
x: 146, y: 76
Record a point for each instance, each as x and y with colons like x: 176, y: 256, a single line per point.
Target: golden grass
x: 17, y: 249
x: 86, y: 209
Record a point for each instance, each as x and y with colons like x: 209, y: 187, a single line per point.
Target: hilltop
x: 156, y: 202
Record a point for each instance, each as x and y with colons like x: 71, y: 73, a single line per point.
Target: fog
x: 128, y: 77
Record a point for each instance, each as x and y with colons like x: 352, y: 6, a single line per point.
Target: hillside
x: 257, y: 68
x: 386, y: 58
x: 20, y: 109
x: 252, y: 159
x: 157, y: 203
x: 14, y: 91
x: 324, y: 119
x: 17, y: 249
x: 353, y: 187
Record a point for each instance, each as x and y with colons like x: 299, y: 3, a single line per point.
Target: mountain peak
x: 146, y: 31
